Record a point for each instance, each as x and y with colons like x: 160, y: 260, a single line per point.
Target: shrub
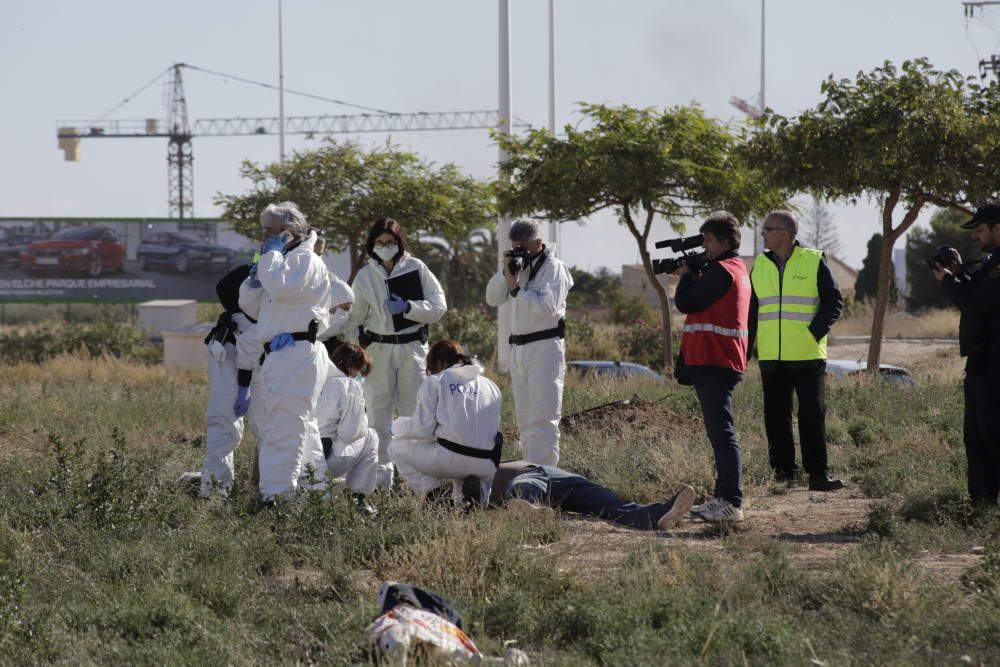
x: 472, y: 327
x: 38, y: 343
x: 641, y: 343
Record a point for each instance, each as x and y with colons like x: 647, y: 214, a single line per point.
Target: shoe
x: 679, y: 505
x: 724, y: 512
x: 824, y: 483
x: 472, y: 493
x: 364, y: 505
x: 705, y: 507
x: 783, y: 477
x: 439, y: 496
x: 189, y: 482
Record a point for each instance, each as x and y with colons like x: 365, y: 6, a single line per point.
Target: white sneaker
x: 708, y: 506
x: 680, y: 504
x: 724, y: 512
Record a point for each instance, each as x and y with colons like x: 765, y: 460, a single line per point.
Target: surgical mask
x: 385, y: 253
x: 360, y: 378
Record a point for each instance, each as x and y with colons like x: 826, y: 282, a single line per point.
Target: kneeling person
x: 350, y: 447
x: 453, y: 433
x: 550, y: 486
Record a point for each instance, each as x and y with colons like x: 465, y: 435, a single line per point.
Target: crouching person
x: 453, y: 433
x: 350, y: 447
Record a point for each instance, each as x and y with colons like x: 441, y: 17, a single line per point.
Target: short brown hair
x: 787, y: 219
x: 445, y: 354
x: 725, y: 227
x: 349, y: 357
x: 386, y: 226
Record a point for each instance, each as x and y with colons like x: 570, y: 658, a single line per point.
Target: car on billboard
x: 182, y: 253
x: 90, y: 250
x: 12, y: 245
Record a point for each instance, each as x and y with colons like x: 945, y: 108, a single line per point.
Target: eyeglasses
x: 773, y: 229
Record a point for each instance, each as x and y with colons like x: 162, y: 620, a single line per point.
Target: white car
x: 843, y: 368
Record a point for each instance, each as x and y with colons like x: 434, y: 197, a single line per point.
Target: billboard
x: 116, y: 259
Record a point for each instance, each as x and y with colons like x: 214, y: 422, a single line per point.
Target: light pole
x: 503, y: 127
x: 553, y: 225
x: 281, y: 89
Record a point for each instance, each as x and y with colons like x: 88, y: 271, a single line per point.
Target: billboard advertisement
x: 116, y: 259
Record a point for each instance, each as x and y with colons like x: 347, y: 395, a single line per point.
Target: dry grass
x: 929, y: 324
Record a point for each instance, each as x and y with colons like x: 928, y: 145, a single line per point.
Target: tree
x: 921, y: 244
x: 866, y: 285
x: 343, y: 188
x: 819, y: 230
x: 463, y: 265
x: 643, y: 165
x: 908, y: 137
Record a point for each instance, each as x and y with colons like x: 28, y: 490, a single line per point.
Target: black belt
x: 393, y: 339
x: 558, y: 332
x: 309, y: 335
x: 472, y: 452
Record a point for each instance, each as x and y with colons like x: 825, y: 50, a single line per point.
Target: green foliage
x: 474, y: 328
x: 343, y: 188
x: 40, y: 342
x: 463, y: 263
x: 866, y: 285
x: 641, y: 342
x: 644, y: 165
x: 922, y: 244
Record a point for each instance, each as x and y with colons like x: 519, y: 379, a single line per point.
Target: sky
x: 64, y: 60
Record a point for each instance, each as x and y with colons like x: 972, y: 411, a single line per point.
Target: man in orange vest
x: 714, y: 354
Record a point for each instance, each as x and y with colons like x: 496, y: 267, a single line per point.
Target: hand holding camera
x: 944, y: 262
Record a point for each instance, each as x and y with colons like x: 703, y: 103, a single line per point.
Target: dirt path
x: 819, y: 528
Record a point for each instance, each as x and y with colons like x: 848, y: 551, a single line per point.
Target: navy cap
x: 987, y: 213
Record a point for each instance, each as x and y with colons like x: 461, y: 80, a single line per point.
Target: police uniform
x: 977, y: 297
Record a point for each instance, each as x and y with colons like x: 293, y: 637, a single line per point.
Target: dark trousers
x: 807, y: 382
x: 982, y: 438
x: 714, y: 386
x: 555, y: 487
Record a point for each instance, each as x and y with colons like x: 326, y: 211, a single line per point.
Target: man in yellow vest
x: 794, y: 303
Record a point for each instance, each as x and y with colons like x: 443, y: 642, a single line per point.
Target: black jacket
x: 977, y: 298
x: 695, y: 294
x: 831, y: 304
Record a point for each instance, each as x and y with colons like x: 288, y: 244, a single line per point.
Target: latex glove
x: 281, y: 340
x: 217, y: 351
x: 396, y: 305
x: 276, y: 242
x: 253, y: 276
x: 242, y: 403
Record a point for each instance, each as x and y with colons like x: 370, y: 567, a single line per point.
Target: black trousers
x: 806, y: 381
x: 982, y: 438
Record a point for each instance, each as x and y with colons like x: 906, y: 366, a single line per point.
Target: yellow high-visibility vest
x: 786, y: 304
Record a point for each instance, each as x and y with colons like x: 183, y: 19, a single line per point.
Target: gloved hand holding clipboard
x: 407, y: 287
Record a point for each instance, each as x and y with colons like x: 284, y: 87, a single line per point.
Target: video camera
x: 517, y: 258
x: 695, y: 262
x: 946, y: 257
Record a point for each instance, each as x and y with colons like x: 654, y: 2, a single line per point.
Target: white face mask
x: 386, y: 253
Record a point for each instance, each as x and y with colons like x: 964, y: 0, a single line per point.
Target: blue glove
x: 242, y: 403
x: 253, y: 276
x: 281, y: 340
x: 276, y: 242
x: 396, y: 305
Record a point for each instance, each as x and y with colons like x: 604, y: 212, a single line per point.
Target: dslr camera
x: 517, y: 259
x: 946, y: 257
x: 695, y: 262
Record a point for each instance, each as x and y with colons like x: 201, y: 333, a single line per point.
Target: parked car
x: 843, y: 368
x: 182, y: 253
x: 92, y: 250
x: 616, y: 369
x: 12, y: 245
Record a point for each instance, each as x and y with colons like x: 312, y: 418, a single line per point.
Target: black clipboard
x: 406, y: 286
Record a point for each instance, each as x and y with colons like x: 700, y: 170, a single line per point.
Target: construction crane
x: 990, y: 65
x: 179, y: 131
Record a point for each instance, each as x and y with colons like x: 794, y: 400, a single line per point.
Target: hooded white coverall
x: 224, y: 430
x: 536, y: 369
x: 458, y: 404
x: 397, y: 370
x: 341, y: 411
x: 296, y: 291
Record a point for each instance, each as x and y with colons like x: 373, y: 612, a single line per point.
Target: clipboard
x: 406, y: 286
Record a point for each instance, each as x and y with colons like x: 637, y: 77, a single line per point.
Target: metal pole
x: 503, y: 127
x: 281, y: 88
x: 758, y: 241
x: 553, y: 225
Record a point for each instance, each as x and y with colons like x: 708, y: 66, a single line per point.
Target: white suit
x: 224, y: 430
x: 460, y: 405
x: 354, y: 446
x: 397, y: 370
x: 536, y: 369
x: 296, y: 291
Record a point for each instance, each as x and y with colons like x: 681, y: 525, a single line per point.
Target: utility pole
x: 503, y: 127
x: 758, y: 236
x: 281, y: 89
x: 554, y: 228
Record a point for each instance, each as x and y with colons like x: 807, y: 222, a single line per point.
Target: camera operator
x: 714, y: 354
x: 536, y: 283
x: 978, y: 299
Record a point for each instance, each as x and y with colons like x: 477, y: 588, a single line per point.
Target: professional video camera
x: 518, y: 258
x: 695, y: 262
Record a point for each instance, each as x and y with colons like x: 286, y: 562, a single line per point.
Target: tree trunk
x: 667, y: 336
x: 889, y: 237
